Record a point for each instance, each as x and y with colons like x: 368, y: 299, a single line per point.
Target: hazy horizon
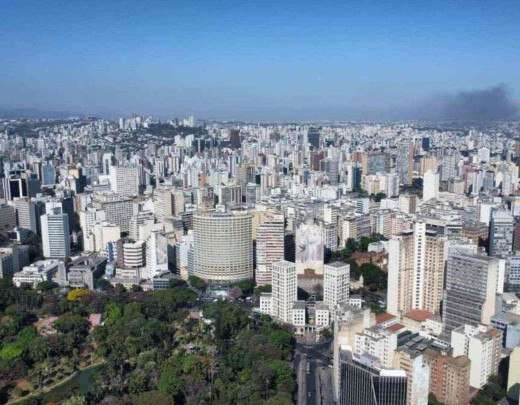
x: 263, y: 61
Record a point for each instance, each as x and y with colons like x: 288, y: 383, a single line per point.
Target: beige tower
x: 223, y: 246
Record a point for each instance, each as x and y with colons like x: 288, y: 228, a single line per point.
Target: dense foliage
x: 151, y: 347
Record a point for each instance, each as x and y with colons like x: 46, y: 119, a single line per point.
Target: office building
x: 118, y: 208
x: 471, y: 288
x: 39, y: 271
x: 363, y: 381
x: 84, y: 271
x: 124, y: 180
x: 26, y: 214
x: 48, y: 178
x: 55, y: 234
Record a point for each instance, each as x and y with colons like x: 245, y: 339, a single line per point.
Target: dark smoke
x: 489, y: 104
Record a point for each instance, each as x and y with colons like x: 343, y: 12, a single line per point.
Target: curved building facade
x: 223, y: 247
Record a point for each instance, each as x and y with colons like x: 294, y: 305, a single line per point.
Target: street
x: 314, y: 376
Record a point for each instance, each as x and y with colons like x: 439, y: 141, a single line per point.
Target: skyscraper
x: 415, y: 271
x: 269, y: 245
x: 404, y: 163
x: 284, y: 290
x: 55, y: 234
x: 223, y: 246
x: 48, y: 174
x: 471, y: 286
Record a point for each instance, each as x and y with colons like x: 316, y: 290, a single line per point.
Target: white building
x: 298, y: 314
x: 482, y: 345
x: 87, y: 219
x: 336, y: 280
x: 266, y: 301
x: 322, y: 316
x: 124, y: 180
x: 39, y: 271
x: 284, y: 290
x: 134, y: 254
x: 55, y: 234
x: 379, y: 342
x: 103, y: 233
x: 430, y: 185
x: 156, y: 254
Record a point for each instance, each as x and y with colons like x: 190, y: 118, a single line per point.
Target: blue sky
x: 253, y: 59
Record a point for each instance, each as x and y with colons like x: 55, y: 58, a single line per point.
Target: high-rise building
x: 417, y: 373
x: 269, y: 245
x: 449, y: 377
x: 124, y: 180
x: 416, y: 271
x: 313, y: 137
x: 108, y: 159
x: 482, y: 345
x: 471, y: 287
x: 55, y: 234
x: 87, y: 219
x: 430, y: 185
x: 404, y: 163
x: 349, y: 322
x: 168, y: 202
x: 363, y: 381
x: 156, y: 254
x: 134, y: 254
x: 20, y: 184
x: 118, y: 208
x: 331, y: 168
x: 26, y: 214
x: 513, y: 376
x: 223, y: 246
x: 48, y: 174
x: 234, y: 139
x: 501, y: 229
x: 336, y: 284
x: 141, y: 224
x: 7, y: 217
x: 284, y: 290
